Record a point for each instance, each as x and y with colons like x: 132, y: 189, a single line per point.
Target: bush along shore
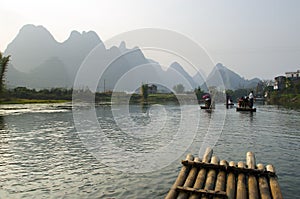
x: 23, y: 95
x: 286, y: 100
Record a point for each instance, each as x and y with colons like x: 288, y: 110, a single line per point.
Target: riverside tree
x: 3, y: 66
x: 144, y: 91
x: 179, y: 88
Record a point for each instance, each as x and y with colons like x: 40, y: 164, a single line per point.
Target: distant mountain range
x: 39, y: 61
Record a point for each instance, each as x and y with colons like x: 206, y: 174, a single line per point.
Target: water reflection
x: 245, y: 115
x: 140, y: 114
x: 2, y: 123
x: 42, y: 154
x: 145, y: 108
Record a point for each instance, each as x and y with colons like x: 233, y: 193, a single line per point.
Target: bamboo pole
x: 221, y: 179
x: 241, y: 184
x: 263, y: 184
x: 189, y: 181
x: 231, y: 183
x: 274, y: 185
x: 211, y: 176
x: 180, y: 179
x: 202, y: 173
x: 252, y: 182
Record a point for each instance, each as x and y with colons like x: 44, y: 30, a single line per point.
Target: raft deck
x: 211, y: 178
x: 246, y: 109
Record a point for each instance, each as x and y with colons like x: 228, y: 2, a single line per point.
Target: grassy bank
x: 30, y: 101
x: 159, y: 98
x: 119, y: 98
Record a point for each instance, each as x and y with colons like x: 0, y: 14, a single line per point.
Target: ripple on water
x: 42, y: 155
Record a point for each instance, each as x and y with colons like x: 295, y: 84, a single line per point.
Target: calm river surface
x: 43, y: 156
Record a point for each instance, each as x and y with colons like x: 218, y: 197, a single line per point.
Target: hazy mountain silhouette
x: 39, y: 61
x: 221, y: 76
x: 33, y: 49
x: 177, y: 67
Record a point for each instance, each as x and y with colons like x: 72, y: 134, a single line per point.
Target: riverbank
x: 30, y: 101
x: 286, y: 100
x: 101, y: 98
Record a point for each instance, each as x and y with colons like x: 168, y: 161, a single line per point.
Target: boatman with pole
x: 251, y: 99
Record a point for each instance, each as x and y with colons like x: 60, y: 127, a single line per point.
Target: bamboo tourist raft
x: 211, y: 178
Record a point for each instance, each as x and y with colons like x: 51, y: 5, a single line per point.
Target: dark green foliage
x: 179, y: 88
x: 235, y: 95
x: 199, y: 93
x: 288, y: 96
x: 44, y: 94
x: 3, y: 66
x: 144, y: 91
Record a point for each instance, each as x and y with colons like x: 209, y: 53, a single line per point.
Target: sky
x: 257, y: 38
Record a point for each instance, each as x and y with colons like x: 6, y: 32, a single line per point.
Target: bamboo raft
x: 211, y: 178
x: 246, y: 109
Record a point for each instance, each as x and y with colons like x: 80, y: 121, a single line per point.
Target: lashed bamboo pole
x: 274, y: 185
x: 231, y: 183
x: 241, y: 184
x: 180, y: 179
x: 221, y: 179
x: 201, y: 174
x: 189, y: 181
x: 211, y: 176
x: 252, y: 182
x: 263, y: 184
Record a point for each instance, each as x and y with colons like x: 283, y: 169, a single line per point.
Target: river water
x: 43, y: 155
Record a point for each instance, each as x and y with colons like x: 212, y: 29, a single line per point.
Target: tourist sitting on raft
x: 245, y: 102
x: 207, y: 100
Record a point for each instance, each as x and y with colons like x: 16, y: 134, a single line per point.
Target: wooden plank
x: 263, y: 184
x: 221, y: 179
x: 211, y: 176
x: 274, y: 185
x: 252, y: 182
x: 241, y: 184
x: 202, y: 174
x: 231, y: 183
x: 228, y: 169
x: 180, y: 179
x: 189, y: 181
x: 221, y: 194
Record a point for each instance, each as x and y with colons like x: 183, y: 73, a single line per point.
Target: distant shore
x: 286, y: 100
x: 31, y: 101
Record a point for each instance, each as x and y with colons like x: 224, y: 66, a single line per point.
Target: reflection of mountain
x: 2, y: 123
x: 39, y: 61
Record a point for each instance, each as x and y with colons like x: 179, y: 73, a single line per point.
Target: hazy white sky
x: 257, y: 38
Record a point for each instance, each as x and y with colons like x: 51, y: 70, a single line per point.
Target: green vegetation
x: 289, y: 96
x: 144, y: 92
x: 158, y: 98
x: 236, y: 94
x: 199, y: 93
x: 3, y: 66
x: 31, y: 101
x: 179, y: 88
x: 23, y: 95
